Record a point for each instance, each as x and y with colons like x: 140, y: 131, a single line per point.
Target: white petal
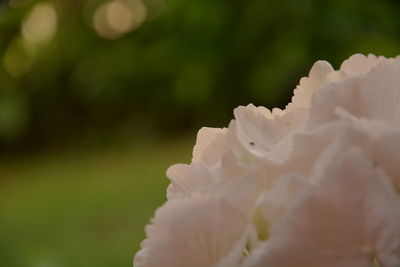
x: 334, y: 137
x: 374, y: 96
x: 360, y: 64
x: 317, y: 78
x: 187, y: 179
x: 380, y: 96
x: 259, y: 132
x: 250, y: 127
x: 242, y: 192
x: 210, y: 145
x: 350, y: 216
x: 196, y: 232
x: 232, y: 166
x: 387, y: 155
x: 275, y: 202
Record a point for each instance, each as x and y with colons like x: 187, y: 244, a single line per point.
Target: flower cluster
x: 316, y: 184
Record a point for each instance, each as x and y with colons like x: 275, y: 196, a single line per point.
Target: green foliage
x: 186, y: 68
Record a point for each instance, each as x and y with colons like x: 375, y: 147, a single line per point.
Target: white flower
x: 316, y: 184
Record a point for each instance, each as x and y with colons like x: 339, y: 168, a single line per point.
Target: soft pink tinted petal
x: 196, y: 232
x: 314, y: 145
x: 374, y: 96
x: 275, y: 202
x: 242, y: 192
x: 351, y: 216
x: 317, y: 78
x: 210, y: 145
x: 387, y: 156
x: 187, y: 179
x: 360, y: 64
x: 259, y: 133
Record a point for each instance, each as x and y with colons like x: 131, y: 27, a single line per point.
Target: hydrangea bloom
x: 316, y: 184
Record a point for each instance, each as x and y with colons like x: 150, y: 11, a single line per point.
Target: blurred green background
x: 99, y: 97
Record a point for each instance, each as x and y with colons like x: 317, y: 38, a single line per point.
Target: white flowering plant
x: 316, y: 184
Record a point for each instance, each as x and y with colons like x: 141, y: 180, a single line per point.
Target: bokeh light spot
x: 119, y: 16
x: 113, y: 19
x: 41, y: 24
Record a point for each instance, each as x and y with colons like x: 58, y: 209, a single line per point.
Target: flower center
x: 261, y: 225
x: 375, y: 261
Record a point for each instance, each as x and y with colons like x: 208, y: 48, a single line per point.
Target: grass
x: 83, y: 208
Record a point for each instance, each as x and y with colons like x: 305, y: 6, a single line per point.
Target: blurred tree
x: 92, y: 68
